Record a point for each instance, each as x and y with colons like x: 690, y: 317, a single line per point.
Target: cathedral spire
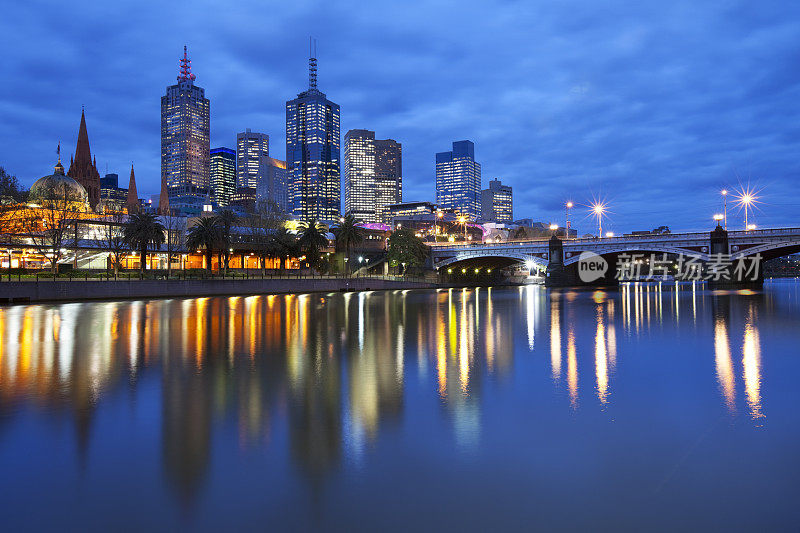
x: 133, y: 195
x: 83, y: 155
x: 185, y: 73
x: 163, y: 200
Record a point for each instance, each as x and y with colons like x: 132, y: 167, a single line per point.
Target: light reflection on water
x: 327, y: 380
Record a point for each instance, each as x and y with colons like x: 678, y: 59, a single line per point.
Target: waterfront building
x: 82, y: 168
x: 312, y: 153
x: 403, y: 209
x: 497, y: 203
x: 373, y: 175
x: 223, y: 175
x: 458, y: 180
x: 185, y: 135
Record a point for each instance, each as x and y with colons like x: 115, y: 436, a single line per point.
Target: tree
x: 204, y: 234
x: 312, y: 240
x: 283, y: 244
x: 10, y: 189
x: 347, y: 235
x: 142, y: 230
x: 262, y: 226
x: 225, y: 221
x: 406, y: 249
x: 47, y: 224
x: 175, y: 234
x: 113, y: 237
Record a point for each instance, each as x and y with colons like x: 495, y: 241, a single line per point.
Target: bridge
x: 554, y: 255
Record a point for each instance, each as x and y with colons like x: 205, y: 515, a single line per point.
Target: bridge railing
x: 667, y: 237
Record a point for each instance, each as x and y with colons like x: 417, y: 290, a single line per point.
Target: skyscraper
x: 458, y: 180
x: 185, y: 135
x: 252, y: 152
x: 497, y: 203
x: 83, y: 168
x: 223, y: 175
x: 373, y: 175
x: 272, y: 186
x: 312, y: 152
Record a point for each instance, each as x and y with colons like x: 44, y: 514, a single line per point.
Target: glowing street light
x: 463, y: 221
x: 724, y: 193
x: 751, y: 227
x: 746, y: 199
x: 567, y: 207
x: 599, y: 210
x: 719, y: 217
x: 609, y: 234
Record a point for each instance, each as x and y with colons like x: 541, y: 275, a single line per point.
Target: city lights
x: 598, y: 210
x: 747, y: 199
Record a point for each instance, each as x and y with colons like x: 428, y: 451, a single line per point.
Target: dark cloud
x: 653, y: 106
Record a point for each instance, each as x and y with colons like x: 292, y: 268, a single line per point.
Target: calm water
x: 646, y: 407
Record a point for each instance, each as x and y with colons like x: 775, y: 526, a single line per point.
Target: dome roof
x: 57, y: 186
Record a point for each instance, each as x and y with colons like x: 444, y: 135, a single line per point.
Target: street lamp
x: 609, y: 234
x: 439, y: 216
x: 751, y: 227
x: 598, y: 210
x: 719, y: 217
x: 567, y: 207
x: 554, y: 228
x: 463, y: 221
x: 724, y: 193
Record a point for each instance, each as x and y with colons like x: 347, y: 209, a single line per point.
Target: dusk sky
x: 652, y: 106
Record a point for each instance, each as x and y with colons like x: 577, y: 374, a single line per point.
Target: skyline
x: 642, y: 105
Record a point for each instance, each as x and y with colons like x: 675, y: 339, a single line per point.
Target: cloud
x: 652, y: 105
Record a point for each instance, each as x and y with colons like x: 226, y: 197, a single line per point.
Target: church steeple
x: 133, y: 195
x: 82, y: 168
x: 163, y: 199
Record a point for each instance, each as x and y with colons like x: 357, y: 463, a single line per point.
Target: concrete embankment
x: 44, y: 291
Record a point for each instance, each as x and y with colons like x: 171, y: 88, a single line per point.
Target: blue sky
x: 652, y: 106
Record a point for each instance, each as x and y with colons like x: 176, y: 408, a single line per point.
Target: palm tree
x: 142, y: 230
x: 204, y: 234
x: 225, y: 221
x: 283, y: 244
x: 312, y: 240
x: 348, y: 234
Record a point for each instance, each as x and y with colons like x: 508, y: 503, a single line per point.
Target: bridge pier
x: 560, y: 275
x: 728, y: 278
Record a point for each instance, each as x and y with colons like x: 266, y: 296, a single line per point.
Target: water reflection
x: 332, y: 371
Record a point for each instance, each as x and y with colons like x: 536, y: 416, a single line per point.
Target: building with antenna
x: 185, y: 136
x: 313, y: 152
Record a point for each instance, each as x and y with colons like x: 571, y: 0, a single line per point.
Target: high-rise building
x: 223, y: 175
x: 185, y: 135
x: 497, y: 203
x: 373, y: 175
x: 458, y: 180
x: 252, y: 152
x: 111, y: 194
x: 272, y: 186
x: 82, y: 168
x: 312, y: 153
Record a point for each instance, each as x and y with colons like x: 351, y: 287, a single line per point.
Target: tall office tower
x: 252, y: 152
x: 83, y: 168
x: 185, y: 135
x: 272, y: 186
x: 373, y: 175
x: 497, y: 203
x: 458, y: 180
x: 223, y: 175
x: 312, y: 152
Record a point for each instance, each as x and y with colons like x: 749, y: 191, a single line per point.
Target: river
x: 651, y: 406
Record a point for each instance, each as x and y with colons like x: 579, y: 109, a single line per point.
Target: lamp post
x: 719, y: 217
x: 554, y: 229
x: 724, y: 194
x: 463, y: 221
x: 567, y: 207
x: 439, y: 216
x: 599, y: 210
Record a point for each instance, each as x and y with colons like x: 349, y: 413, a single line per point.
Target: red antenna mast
x: 186, y: 68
